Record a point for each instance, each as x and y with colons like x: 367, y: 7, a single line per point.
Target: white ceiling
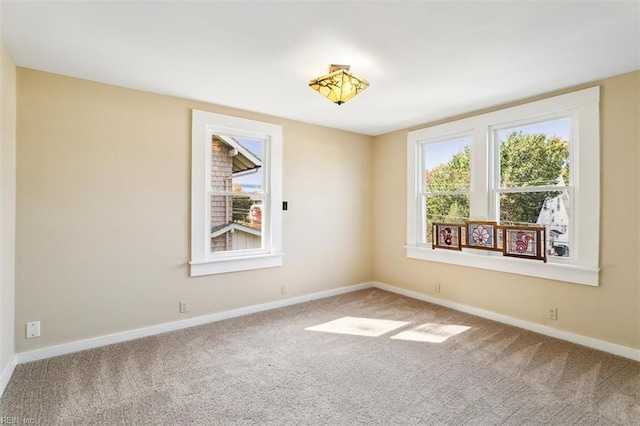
x: 425, y: 60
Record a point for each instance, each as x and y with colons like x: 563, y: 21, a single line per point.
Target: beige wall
x: 609, y: 312
x: 103, y: 219
x: 103, y: 212
x: 8, y: 211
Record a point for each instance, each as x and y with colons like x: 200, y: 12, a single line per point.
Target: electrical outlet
x: 184, y: 306
x: 284, y: 289
x: 553, y: 314
x: 437, y: 287
x: 33, y: 329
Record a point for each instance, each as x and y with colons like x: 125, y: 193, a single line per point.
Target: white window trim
x: 203, y: 262
x: 583, y: 107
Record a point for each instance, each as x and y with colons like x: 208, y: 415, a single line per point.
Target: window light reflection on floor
x: 433, y: 333
x: 359, y: 326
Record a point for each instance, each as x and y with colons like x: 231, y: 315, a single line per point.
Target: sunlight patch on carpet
x: 359, y: 326
x: 433, y: 333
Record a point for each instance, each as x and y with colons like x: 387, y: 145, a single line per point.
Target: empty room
x: 320, y: 212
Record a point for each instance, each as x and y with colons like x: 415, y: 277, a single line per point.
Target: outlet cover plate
x: 33, y: 329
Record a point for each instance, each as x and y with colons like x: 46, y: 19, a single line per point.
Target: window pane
x: 221, y: 212
x: 236, y: 169
x: 236, y: 222
x: 549, y: 209
x: 447, y: 165
x: 247, y: 173
x: 446, y: 209
x: 236, y: 164
x: 535, y: 154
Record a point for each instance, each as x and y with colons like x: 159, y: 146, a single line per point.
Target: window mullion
x: 479, y: 197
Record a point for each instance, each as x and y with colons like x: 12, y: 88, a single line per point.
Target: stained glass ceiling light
x: 339, y: 85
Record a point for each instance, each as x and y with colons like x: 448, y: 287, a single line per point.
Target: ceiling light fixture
x: 339, y: 85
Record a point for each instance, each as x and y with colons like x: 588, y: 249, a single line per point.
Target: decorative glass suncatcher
x: 481, y: 235
x: 447, y: 236
x: 524, y: 241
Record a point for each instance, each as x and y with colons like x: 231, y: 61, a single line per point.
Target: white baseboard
x: 95, y: 342
x: 109, y: 339
x: 7, y: 373
x: 601, y: 345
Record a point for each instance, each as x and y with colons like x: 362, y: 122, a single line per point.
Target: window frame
x: 582, y: 107
x: 203, y: 260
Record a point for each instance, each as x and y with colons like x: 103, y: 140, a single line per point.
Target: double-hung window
x: 532, y: 178
x: 536, y: 164
x: 235, y: 194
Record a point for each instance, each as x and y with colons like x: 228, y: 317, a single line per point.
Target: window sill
x: 491, y: 261
x: 235, y: 264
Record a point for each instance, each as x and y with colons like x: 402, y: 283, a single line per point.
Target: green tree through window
x: 452, y: 176
x: 530, y: 160
x: 526, y: 160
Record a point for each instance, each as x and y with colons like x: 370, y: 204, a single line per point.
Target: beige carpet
x: 368, y: 357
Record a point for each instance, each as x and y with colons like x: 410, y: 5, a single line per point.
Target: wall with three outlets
x: 103, y: 219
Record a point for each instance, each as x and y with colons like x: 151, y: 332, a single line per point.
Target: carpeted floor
x: 405, y: 362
